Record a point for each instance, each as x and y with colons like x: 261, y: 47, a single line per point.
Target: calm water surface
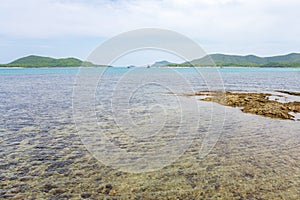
x: 42, y: 155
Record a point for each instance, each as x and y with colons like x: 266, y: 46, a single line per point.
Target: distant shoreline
x: 291, y: 60
x: 217, y: 67
x: 231, y: 66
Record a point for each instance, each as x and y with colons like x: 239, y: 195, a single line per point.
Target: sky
x: 74, y: 28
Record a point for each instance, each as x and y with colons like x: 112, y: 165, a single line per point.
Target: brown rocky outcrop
x: 255, y: 103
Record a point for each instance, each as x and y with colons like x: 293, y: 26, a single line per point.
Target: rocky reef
x: 254, y: 103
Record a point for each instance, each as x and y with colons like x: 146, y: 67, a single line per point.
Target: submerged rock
x: 108, y: 186
x: 85, y: 195
x: 47, y: 187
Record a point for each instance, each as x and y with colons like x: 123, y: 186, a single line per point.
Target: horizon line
x: 208, y: 54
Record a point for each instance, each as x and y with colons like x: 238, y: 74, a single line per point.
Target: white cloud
x: 222, y: 21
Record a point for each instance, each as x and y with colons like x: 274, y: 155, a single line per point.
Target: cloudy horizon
x: 73, y: 28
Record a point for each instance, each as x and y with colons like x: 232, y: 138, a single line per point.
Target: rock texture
x: 255, y: 103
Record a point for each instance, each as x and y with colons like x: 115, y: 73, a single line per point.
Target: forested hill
x: 39, y: 61
x: 289, y: 60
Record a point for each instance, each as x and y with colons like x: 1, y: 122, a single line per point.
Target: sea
x: 136, y: 133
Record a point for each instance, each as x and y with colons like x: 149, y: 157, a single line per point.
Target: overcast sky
x: 63, y: 28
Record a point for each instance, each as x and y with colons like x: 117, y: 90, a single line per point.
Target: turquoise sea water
x: 235, y: 78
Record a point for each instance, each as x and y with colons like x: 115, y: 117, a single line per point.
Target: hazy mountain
x: 161, y: 63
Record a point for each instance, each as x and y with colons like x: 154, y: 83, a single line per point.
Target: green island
x: 222, y: 60
x: 40, y: 61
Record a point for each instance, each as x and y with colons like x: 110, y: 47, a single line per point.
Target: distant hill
x: 289, y: 60
x: 39, y: 61
x: 161, y: 63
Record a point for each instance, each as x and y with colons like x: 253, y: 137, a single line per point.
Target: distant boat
x: 148, y: 66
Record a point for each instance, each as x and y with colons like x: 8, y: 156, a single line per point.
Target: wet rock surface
x: 254, y: 103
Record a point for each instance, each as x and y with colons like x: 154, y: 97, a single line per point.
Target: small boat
x: 148, y: 66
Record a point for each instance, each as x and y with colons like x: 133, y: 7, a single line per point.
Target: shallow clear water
x: 42, y: 155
